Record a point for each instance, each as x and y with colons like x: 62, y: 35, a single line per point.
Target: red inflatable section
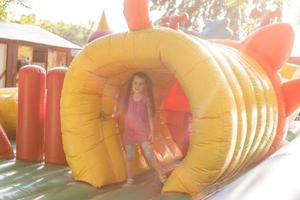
x: 31, y: 112
x: 6, y: 151
x: 176, y: 100
x: 266, y: 16
x: 97, y: 34
x: 136, y: 14
x: 174, y: 21
x: 177, y: 114
x: 292, y: 98
x: 53, y: 137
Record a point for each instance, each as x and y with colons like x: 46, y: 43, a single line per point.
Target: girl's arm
x: 116, y: 114
x: 105, y: 116
x: 150, y: 118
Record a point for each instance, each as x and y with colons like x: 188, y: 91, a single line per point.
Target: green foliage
x: 4, y: 5
x: 75, y: 33
x: 72, y: 32
x: 247, y: 27
x: 27, y: 19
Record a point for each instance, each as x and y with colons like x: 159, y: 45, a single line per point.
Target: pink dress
x: 136, y: 121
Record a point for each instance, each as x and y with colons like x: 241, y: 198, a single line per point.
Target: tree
x: 5, y: 3
x: 75, y: 33
x: 28, y: 19
x: 208, y: 9
x: 197, y: 9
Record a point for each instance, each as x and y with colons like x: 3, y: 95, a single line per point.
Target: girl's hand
x: 104, y: 116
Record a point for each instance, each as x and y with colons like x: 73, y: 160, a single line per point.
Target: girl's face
x: 138, y: 85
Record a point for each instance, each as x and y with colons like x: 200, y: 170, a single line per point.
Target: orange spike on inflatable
x: 261, y: 45
x: 103, y: 29
x: 136, y: 14
x: 103, y: 25
x: 291, y: 96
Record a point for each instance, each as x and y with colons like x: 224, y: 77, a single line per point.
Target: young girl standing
x: 139, y: 109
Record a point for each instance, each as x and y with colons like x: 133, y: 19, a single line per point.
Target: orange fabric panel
x: 176, y: 100
x: 291, y: 97
x: 137, y: 15
x: 53, y: 137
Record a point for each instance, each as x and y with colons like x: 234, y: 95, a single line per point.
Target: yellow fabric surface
x: 232, y: 102
x: 289, y: 71
x: 8, y: 110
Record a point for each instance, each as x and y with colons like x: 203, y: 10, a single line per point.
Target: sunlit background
x: 88, y: 12
x: 291, y: 14
x: 78, y: 12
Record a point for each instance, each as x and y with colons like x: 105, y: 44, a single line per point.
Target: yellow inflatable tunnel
x: 233, y: 104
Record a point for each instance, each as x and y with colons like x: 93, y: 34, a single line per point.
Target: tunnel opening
x: 172, y: 120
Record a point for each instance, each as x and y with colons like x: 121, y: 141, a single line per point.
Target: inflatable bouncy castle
x: 239, y: 107
x: 238, y: 104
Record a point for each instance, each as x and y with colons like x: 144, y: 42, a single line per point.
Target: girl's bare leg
x: 129, y: 169
x: 130, y: 156
x: 153, y: 160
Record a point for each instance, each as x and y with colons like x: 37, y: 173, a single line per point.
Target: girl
x: 139, y: 109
